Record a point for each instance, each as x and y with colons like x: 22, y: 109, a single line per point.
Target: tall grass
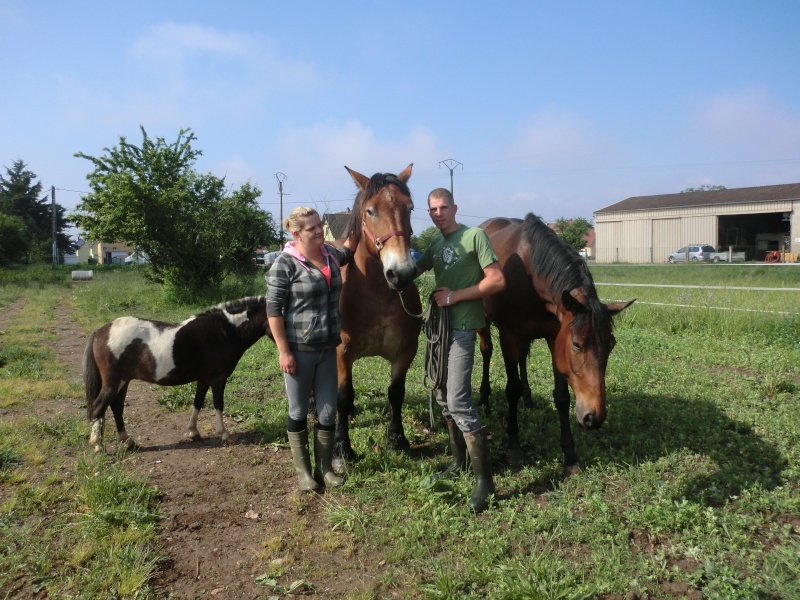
x: 692, y: 486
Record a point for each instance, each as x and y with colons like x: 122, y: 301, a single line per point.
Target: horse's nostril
x: 589, y: 420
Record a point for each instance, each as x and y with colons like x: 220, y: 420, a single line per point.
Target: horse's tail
x: 92, y: 382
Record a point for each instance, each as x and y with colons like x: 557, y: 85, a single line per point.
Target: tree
x: 193, y: 232
x: 704, y: 188
x: 424, y: 239
x: 14, y: 241
x: 573, y: 231
x: 22, y: 204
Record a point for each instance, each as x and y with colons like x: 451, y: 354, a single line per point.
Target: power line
x: 451, y: 164
x: 281, y: 178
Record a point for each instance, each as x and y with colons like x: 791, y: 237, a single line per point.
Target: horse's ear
x: 406, y: 174
x: 578, y: 294
x: 574, y: 300
x: 615, y: 308
x: 360, y: 180
x: 553, y: 309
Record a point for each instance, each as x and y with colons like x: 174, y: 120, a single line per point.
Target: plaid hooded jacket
x: 298, y: 292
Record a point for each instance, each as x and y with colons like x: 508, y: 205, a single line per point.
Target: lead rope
x: 437, y: 343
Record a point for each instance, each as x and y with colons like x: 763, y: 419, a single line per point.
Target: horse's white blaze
x: 125, y: 330
x: 398, y: 261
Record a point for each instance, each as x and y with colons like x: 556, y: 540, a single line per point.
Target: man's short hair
x: 443, y: 194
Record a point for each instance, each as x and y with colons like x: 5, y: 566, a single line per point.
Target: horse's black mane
x: 235, y: 306
x: 555, y: 261
x: 376, y: 182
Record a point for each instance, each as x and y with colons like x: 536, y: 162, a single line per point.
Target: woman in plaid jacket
x: 303, y: 289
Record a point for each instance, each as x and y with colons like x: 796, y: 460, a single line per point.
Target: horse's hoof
x: 399, y: 443
x: 130, y: 444
x: 98, y: 449
x: 570, y: 470
x: 193, y: 436
x: 227, y: 437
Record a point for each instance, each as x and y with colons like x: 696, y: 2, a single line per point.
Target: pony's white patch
x: 125, y: 330
x: 96, y: 437
x: 193, y: 433
x: 236, y: 319
x: 219, y: 424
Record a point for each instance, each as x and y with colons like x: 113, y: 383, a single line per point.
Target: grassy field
x: 690, y: 489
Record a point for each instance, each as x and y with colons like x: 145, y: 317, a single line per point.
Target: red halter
x: 379, y: 242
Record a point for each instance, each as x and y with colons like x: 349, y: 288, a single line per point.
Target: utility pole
x: 451, y: 164
x: 281, y: 178
x: 55, y: 238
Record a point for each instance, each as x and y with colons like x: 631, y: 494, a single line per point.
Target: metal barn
x: 759, y: 221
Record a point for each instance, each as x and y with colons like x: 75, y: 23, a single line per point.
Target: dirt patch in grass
x: 231, y: 513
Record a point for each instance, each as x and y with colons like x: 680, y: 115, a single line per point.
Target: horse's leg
x: 525, y: 350
x: 118, y: 408
x: 218, y: 393
x: 396, y: 435
x: 561, y: 400
x: 97, y: 414
x: 343, y: 451
x: 199, y: 400
x: 510, y: 348
x: 486, y: 347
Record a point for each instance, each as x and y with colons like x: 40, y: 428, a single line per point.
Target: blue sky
x: 555, y: 108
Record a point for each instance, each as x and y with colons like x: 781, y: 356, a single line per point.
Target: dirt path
x: 231, y: 512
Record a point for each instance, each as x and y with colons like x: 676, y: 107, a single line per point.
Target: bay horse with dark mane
x: 374, y: 320
x: 549, y: 294
x: 204, y: 348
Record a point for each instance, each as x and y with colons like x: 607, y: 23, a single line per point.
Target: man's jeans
x: 458, y: 392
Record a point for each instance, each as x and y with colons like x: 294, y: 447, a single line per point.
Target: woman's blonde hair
x: 297, y: 218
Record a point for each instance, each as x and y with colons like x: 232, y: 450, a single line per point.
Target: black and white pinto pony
x: 204, y: 348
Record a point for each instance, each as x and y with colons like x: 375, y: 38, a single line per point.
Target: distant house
x: 72, y: 259
x: 102, y: 253
x: 335, y: 225
x: 755, y: 220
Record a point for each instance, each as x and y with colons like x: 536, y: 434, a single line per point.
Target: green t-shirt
x: 458, y: 260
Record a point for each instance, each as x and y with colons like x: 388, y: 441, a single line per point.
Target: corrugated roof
x: 765, y: 193
x: 337, y: 223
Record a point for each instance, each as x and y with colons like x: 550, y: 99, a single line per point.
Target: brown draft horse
x: 204, y: 348
x: 549, y: 294
x: 374, y: 321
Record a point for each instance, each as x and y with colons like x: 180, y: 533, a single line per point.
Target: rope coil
x: 437, y: 344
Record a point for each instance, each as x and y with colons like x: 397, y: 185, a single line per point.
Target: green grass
x: 692, y: 484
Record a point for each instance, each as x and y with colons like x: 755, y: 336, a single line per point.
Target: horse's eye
x: 576, y: 346
x: 371, y: 212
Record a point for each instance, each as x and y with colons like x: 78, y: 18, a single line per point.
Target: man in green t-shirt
x: 466, y: 271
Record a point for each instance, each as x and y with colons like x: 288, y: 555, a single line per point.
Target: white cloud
x: 559, y: 139
x: 174, y: 41
x: 747, y: 124
x: 250, y: 60
x: 325, y: 148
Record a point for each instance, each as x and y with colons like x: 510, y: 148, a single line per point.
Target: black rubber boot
x: 458, y: 449
x: 298, y: 442
x: 323, y: 458
x: 478, y: 448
